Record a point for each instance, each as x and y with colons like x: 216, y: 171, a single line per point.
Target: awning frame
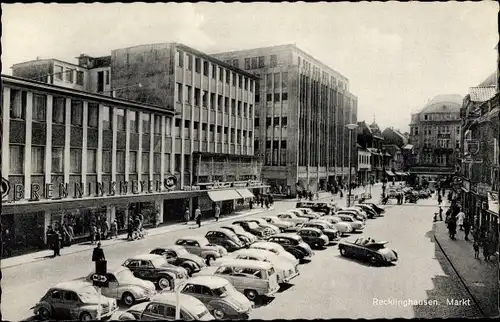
x: 223, y: 195
x: 245, y: 193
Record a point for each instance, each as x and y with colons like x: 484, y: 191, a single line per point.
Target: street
x: 345, y: 288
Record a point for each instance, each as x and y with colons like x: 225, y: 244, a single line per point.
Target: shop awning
x: 390, y: 173
x: 245, y: 193
x: 221, y: 195
x: 401, y: 174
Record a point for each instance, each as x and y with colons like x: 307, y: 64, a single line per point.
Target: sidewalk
x: 480, y: 277
x: 122, y: 238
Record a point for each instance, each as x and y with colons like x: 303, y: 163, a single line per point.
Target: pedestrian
x: 486, y: 249
x: 261, y: 202
x: 130, y: 229
x: 466, y: 226
x: 250, y: 204
x: 475, y: 245
x: 197, y: 216
x: 440, y: 213
x: 157, y: 218
x: 341, y: 194
x: 187, y: 214
x: 460, y: 220
x: 105, y: 229
x: 266, y: 202
x: 57, y: 243
x: 217, y: 212
x: 93, y: 233
x: 114, y: 229
x: 98, y: 254
x: 271, y: 201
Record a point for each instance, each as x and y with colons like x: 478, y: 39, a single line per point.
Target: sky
x: 396, y: 55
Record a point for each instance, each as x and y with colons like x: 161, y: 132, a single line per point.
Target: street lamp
x: 384, y: 180
x: 351, y: 128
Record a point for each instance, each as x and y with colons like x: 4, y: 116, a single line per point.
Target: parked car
x: 155, y: 268
x: 369, y: 210
x: 380, y: 210
x: 326, y: 228
x: 293, y: 244
x: 301, y: 214
x: 359, y: 212
x: 179, y: 256
x: 254, y: 228
x: 220, y: 297
x: 292, y: 218
x: 375, y: 252
x: 352, y: 213
x: 255, y: 279
x: 162, y: 308
x: 342, y: 226
x: 276, y: 249
x: 285, y: 269
x: 202, y: 247
x: 313, y: 237
x: 309, y: 211
x: 246, y: 237
x: 225, y: 238
x: 261, y: 222
x: 125, y: 287
x: 349, y: 218
x: 322, y: 207
x: 281, y: 224
x: 74, y: 300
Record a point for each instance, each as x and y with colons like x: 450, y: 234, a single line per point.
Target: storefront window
x: 79, y: 219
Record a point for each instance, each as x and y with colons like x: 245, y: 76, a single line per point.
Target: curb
x: 459, y: 277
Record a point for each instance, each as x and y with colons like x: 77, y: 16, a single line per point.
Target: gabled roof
x: 490, y: 81
x: 482, y: 93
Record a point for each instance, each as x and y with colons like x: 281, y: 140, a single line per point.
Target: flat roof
x: 48, y: 60
x: 108, y: 100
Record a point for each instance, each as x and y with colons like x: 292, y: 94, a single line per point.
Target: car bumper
x: 273, y: 291
x: 146, y: 296
x: 291, y: 276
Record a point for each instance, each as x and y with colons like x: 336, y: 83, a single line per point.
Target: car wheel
x: 85, y: 316
x: 188, y: 269
x: 128, y: 299
x: 43, y: 314
x: 250, y: 294
x: 210, y: 259
x: 164, y: 283
x: 343, y: 252
x: 218, y: 314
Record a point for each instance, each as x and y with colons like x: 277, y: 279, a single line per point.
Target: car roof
x: 209, y: 281
x: 287, y: 235
x: 254, y: 251
x: 172, y: 247
x: 196, y: 238
x: 145, y: 257
x: 273, y: 217
x: 74, y: 286
x: 311, y: 229
x: 186, y: 301
x: 317, y: 221
x: 265, y: 244
x: 115, y: 269
x: 247, y: 263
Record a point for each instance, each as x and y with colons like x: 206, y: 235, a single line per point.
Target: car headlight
x: 179, y: 275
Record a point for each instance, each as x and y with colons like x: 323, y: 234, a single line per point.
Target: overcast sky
x: 397, y: 56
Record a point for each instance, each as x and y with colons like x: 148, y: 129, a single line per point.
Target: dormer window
x: 426, y: 117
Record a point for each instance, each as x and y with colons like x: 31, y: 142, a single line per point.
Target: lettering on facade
x: 5, y: 187
x: 94, y: 189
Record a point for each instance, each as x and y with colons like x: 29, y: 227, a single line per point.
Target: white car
x: 342, y: 226
x: 278, y: 222
x: 276, y: 249
x: 301, y: 214
x: 284, y: 268
x: 291, y: 217
x: 360, y: 211
x: 356, y: 224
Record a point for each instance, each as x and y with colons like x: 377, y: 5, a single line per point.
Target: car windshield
x: 225, y: 290
x: 88, y: 294
x: 181, y: 252
x: 125, y: 275
x: 253, y: 225
x: 157, y: 262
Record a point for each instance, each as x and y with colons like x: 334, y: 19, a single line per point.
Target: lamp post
x: 384, y: 180
x: 351, y: 128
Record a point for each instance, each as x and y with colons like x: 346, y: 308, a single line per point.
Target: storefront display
x: 21, y: 233
x: 80, y: 219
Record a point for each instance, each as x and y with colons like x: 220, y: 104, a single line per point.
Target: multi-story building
x: 364, y: 166
x: 370, y: 139
x: 302, y: 107
x: 435, y: 136
x: 395, y: 143
x: 177, y: 132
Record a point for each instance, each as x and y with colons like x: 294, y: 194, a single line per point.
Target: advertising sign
x: 5, y: 187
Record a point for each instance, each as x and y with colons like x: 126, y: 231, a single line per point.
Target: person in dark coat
x: 130, y: 229
x: 440, y: 213
x: 98, y: 254
x: 466, y: 226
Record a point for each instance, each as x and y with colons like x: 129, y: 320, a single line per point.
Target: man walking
x: 197, y: 216
x: 98, y: 254
x: 466, y: 226
x: 186, y: 216
x: 440, y: 213
x: 217, y: 212
x: 460, y: 220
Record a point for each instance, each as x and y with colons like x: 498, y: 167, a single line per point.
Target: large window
x: 205, y: 68
x: 187, y: 94
x: 276, y: 80
x: 274, y: 61
x: 157, y: 124
x: 17, y: 104
x: 58, y: 72
x: 106, y: 118
x: 146, y: 123
x: 145, y: 162
x: 134, y: 125
x: 120, y: 119
x: 177, y: 163
x: 16, y: 154
x: 284, y: 80
x: 39, y: 107
x: 214, y: 71
x: 179, y: 55
x: 75, y: 161
x: 179, y: 92
x: 93, y: 114
x: 167, y: 163
x: 132, y: 162
x: 69, y: 75
x: 197, y: 65
x: 177, y: 128
x: 91, y: 161
x: 106, y: 161
x: 79, y: 77
x: 189, y: 62
x: 76, y: 112
x: 262, y: 62
x: 120, y: 161
x: 157, y: 163
x: 57, y: 160
x: 37, y: 159
x: 247, y: 63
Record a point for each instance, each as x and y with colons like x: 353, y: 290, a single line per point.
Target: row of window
x: 441, y: 117
x: 68, y: 74
x: 273, y: 80
x: 364, y: 159
x: 269, y: 97
x: 429, y: 158
x: 17, y: 160
x: 324, y: 76
x: 237, y: 108
x: 242, y: 81
x: 270, y: 121
x: 442, y: 129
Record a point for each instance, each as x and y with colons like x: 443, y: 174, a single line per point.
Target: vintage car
x: 202, y: 247
x: 380, y: 210
x: 162, y: 308
x: 313, y: 237
x: 155, y: 268
x: 225, y: 238
x: 125, y: 287
x: 359, y: 211
x: 351, y: 212
x: 342, y: 226
x: 349, y: 218
x: 367, y: 209
x: 284, y: 268
x: 317, y: 206
x: 293, y: 244
x: 255, y: 279
x: 301, y: 214
x: 179, y: 256
x: 276, y: 249
x: 374, y: 252
x: 261, y: 222
x: 254, y: 228
x: 292, y: 218
x: 74, y: 300
x: 281, y: 224
x: 246, y: 237
x: 326, y: 228
x: 309, y: 211
x: 220, y: 297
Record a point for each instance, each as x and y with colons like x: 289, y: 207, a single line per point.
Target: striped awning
x: 245, y: 193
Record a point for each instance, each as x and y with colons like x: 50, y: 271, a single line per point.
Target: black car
x: 313, y: 237
x: 315, y: 206
x: 369, y: 250
x: 370, y: 212
x: 325, y: 227
x: 179, y: 256
x: 225, y: 238
x: 254, y: 228
x: 379, y: 210
x: 293, y: 244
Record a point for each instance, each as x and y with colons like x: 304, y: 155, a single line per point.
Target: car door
x: 65, y: 304
x: 194, y: 246
x: 57, y: 301
x: 154, y: 312
x: 148, y: 270
x: 212, y: 237
x: 205, y: 294
x: 71, y: 305
x: 195, y: 291
x: 225, y: 272
x: 305, y: 234
x: 112, y: 289
x: 171, y: 257
x: 133, y: 266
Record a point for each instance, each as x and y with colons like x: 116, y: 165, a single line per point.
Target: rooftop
x: 443, y: 104
x: 482, y: 93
